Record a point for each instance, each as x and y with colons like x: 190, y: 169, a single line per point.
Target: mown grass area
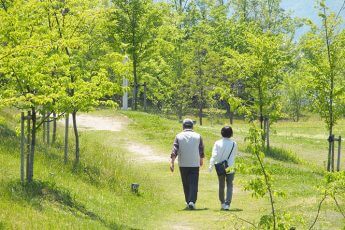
x: 293, y: 174
x: 306, y: 138
x: 96, y: 194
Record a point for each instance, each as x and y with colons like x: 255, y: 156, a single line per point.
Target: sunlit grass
x: 96, y: 194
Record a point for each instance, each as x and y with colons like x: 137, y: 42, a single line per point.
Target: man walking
x: 189, y: 148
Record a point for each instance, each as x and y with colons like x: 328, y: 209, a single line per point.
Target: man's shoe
x: 191, y: 206
x: 226, y: 207
x: 222, y: 206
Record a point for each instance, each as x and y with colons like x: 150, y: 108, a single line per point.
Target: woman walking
x: 223, y: 154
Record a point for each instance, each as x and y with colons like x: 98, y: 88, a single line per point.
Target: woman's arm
x: 213, y: 157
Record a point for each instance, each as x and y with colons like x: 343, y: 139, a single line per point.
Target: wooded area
x: 202, y: 57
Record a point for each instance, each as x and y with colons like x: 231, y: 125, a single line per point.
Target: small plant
x: 333, y: 187
x: 262, y: 184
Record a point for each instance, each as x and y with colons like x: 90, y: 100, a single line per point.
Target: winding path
x: 141, y: 153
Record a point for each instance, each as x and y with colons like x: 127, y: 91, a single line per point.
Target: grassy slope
x: 93, y: 195
x: 96, y: 195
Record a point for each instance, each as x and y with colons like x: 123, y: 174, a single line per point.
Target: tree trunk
x: 145, y: 97
x: 54, y: 128
x: 76, y: 135
x: 179, y: 113
x: 66, y: 138
x: 263, y: 129
x: 22, y: 143
x: 333, y: 154
x: 135, y: 77
x: 28, y: 145
x: 200, y: 114
x: 201, y: 105
x: 48, y: 128
x: 268, y: 133
x: 229, y: 113
x: 330, y: 141
x: 33, y: 143
x: 331, y: 93
x: 43, y: 129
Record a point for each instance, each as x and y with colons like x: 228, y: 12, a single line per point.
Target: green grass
x: 297, y: 179
x: 96, y: 194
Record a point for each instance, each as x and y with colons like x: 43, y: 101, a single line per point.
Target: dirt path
x: 93, y: 122
x: 208, y: 211
x: 140, y: 152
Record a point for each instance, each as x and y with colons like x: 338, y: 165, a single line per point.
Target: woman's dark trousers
x: 229, y: 178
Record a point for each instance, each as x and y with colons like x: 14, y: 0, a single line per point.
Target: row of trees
x: 61, y: 57
x: 57, y: 57
x: 239, y: 55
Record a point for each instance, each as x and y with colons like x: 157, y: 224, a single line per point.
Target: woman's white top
x: 221, y: 150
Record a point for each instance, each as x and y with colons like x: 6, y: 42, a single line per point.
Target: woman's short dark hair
x: 226, y: 131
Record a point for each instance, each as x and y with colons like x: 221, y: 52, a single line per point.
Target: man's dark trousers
x: 190, y: 180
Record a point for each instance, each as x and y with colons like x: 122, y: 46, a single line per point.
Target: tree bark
x: 48, y: 129
x: 145, y: 97
x: 22, y: 143
x: 268, y: 133
x: 54, y: 128
x: 229, y: 113
x: 66, y: 138
x: 76, y: 135
x: 200, y: 113
x: 135, y: 61
x: 28, y: 145
x: 135, y: 92
x: 179, y: 113
x: 33, y: 145
x: 43, y: 130
x: 201, y: 104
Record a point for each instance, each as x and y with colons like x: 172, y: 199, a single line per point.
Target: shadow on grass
x: 2, y: 225
x: 38, y: 191
x: 234, y: 210
x: 5, y: 132
x: 194, y: 210
x: 282, y: 155
x: 91, y: 174
x: 8, y: 139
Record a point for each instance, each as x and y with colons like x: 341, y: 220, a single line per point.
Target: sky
x: 308, y: 9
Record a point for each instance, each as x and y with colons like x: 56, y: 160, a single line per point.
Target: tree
x: 262, y: 69
x: 172, y: 46
x: 295, y: 99
x: 323, y: 50
x: 85, y: 81
x: 25, y: 45
x: 51, y: 62
x: 204, y: 64
x: 136, y: 22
